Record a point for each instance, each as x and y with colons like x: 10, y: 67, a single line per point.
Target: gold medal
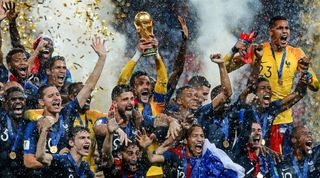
x: 280, y: 81
x: 12, y: 155
x: 53, y: 149
x: 226, y: 144
x: 263, y: 142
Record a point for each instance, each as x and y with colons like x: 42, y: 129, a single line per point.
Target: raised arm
x: 41, y: 154
x: 162, y: 76
x: 127, y: 71
x: 107, y: 143
x: 254, y: 75
x: 35, y: 53
x: 85, y: 92
x: 225, y: 82
x: 301, y: 90
x: 2, y: 16
x: 144, y: 142
x: 14, y: 33
x: 304, y: 68
x: 231, y: 59
x: 179, y: 62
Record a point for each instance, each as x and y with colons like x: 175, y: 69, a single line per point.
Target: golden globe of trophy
x: 144, y: 26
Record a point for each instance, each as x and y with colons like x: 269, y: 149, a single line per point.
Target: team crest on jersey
x: 288, y: 63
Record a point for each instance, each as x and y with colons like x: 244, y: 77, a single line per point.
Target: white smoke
x: 67, y: 22
x: 218, y: 18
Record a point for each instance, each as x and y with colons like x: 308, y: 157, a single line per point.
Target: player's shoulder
x: 296, y: 51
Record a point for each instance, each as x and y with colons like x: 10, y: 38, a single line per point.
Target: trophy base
x: 149, y: 52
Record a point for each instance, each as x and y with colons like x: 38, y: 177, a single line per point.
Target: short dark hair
x: 11, y: 90
x: 259, y: 80
x: 198, y: 81
x: 181, y: 89
x: 295, y: 130
x: 118, y: 90
x: 75, y: 130
x: 133, y: 142
x: 274, y: 19
x: 215, y: 91
x: 42, y: 88
x: 190, y: 130
x: 72, y: 88
x: 51, y: 61
x: 136, y: 75
x: 13, y: 52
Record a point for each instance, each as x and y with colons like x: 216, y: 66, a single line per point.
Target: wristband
x: 136, y: 56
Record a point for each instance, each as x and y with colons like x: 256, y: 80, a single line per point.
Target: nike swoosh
x: 285, y: 169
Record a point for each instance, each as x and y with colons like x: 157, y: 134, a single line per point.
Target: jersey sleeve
x: 168, y: 155
x: 30, y: 138
x: 275, y: 108
x: 315, y: 82
x: 162, y: 77
x: 71, y: 110
x: 126, y: 72
x: 3, y: 73
x: 57, y: 157
x: 231, y: 63
x: 57, y: 161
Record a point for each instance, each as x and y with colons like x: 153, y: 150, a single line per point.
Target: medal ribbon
x: 297, y: 169
x: 264, y: 127
x: 80, y: 172
x: 226, y: 128
x: 184, y: 159
x: 279, y: 71
x: 14, y: 139
x: 55, y: 139
x: 80, y: 120
x: 263, y: 165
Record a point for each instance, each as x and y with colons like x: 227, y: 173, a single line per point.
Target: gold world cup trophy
x: 144, y: 26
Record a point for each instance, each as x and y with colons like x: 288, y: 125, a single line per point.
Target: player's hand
x: 143, y: 140
x: 45, y: 123
x: 144, y: 44
x: 41, y: 46
x: 184, y: 27
x: 112, y: 125
x: 216, y: 58
x: 304, y: 63
x: 251, y: 99
x: 138, y: 119
x: 174, y: 129
x: 123, y: 137
x: 258, y: 51
x: 99, y: 174
x: 98, y: 46
x: 10, y: 8
x: 1, y: 88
